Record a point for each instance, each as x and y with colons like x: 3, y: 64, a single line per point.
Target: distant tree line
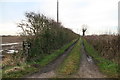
x: 44, y: 34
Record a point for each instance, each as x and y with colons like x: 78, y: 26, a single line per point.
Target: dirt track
x: 49, y: 70
x: 87, y: 68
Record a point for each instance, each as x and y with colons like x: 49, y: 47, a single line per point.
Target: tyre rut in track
x: 88, y: 68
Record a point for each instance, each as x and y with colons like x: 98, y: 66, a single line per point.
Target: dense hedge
x: 44, y: 34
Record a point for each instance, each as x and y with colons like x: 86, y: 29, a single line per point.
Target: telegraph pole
x: 57, y: 11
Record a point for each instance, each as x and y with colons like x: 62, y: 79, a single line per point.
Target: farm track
x: 87, y: 69
x: 49, y: 70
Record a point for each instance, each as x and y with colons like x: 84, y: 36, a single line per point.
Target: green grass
x: 28, y: 69
x: 71, y: 63
x: 53, y: 56
x: 106, y: 66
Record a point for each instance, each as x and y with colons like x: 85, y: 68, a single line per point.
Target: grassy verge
x: 106, y: 66
x: 71, y: 63
x: 28, y: 68
x: 53, y: 56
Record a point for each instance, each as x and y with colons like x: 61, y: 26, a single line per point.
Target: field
x: 11, y: 39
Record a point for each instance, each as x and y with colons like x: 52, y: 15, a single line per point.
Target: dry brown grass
x: 12, y: 60
x: 106, y: 45
x: 14, y: 69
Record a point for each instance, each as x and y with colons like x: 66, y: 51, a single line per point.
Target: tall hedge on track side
x: 44, y: 34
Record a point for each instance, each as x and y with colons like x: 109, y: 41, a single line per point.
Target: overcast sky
x: 101, y: 16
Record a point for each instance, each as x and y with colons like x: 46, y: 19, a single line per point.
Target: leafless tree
x: 84, y: 29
